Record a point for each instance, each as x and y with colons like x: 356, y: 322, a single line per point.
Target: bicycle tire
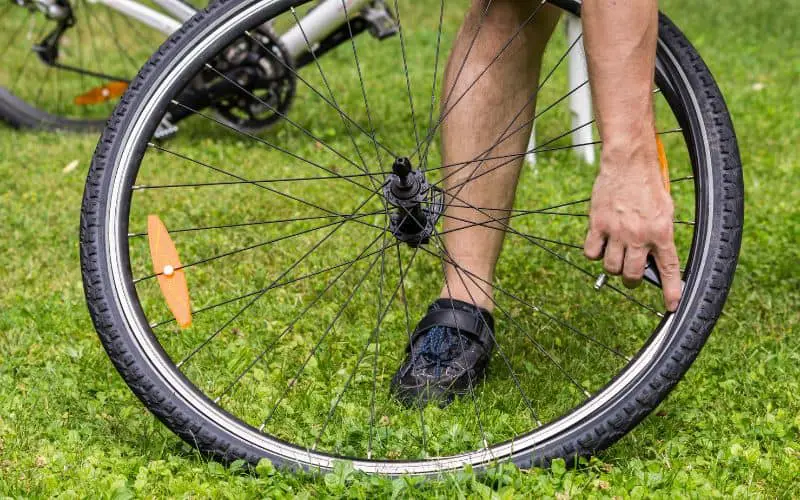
x: 658, y: 367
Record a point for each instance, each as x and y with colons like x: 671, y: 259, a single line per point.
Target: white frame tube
x: 181, y: 10
x: 323, y: 20
x: 143, y: 14
x: 580, y: 101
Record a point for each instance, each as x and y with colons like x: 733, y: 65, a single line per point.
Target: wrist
x: 629, y: 152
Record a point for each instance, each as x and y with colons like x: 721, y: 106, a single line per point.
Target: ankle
x: 476, y: 298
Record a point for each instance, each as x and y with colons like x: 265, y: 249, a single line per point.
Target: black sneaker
x: 449, y: 349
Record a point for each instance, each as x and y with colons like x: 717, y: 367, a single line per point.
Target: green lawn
x: 69, y: 425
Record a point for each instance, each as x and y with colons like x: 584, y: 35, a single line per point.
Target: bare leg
x: 477, y: 122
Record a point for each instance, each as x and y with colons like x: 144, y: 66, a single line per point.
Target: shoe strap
x: 469, y: 324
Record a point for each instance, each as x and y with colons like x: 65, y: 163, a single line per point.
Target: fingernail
x: 673, y: 306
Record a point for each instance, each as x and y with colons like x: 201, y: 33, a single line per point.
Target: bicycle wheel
x: 304, y: 292
x: 65, y: 63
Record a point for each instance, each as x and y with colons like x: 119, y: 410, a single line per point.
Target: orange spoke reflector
x: 662, y: 162
x: 101, y: 94
x: 167, y: 265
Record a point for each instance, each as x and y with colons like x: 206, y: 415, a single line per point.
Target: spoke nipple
x: 600, y: 281
x: 168, y: 270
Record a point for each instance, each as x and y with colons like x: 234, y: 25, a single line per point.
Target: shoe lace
x: 440, y: 346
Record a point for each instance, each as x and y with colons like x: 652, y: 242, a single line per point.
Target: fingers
x: 614, y: 256
x: 633, y: 268
x: 669, y: 269
x: 612, y: 252
x: 593, y: 247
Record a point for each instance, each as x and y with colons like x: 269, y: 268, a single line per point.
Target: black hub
x: 418, y: 204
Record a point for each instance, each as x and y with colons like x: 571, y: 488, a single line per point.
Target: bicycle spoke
x: 16, y: 32
x: 302, y: 129
x: 536, y: 344
x: 486, y: 224
x: 361, y: 80
x: 374, y: 336
x: 474, y: 278
x: 435, y: 76
x: 330, y: 103
x: 257, y: 139
x: 115, y: 37
x: 297, y: 318
x: 505, y: 134
x: 276, y: 285
x: 431, y: 127
x: 443, y: 250
x: 247, y: 306
x: 376, y: 353
x: 480, y: 75
x: 257, y: 223
x: 335, y: 104
x: 263, y: 243
x: 319, y: 343
x: 405, y: 71
x: 470, y: 383
x: 402, y: 274
x: 21, y: 68
x: 145, y: 187
x: 560, y: 257
x: 472, y: 177
x: 256, y: 184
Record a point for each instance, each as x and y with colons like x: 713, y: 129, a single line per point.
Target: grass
x: 69, y: 424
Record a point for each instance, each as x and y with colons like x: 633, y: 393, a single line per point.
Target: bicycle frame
x: 324, y: 19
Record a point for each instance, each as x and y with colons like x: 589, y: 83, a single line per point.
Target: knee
x: 510, y: 14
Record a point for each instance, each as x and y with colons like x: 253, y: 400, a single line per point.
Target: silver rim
x: 181, y: 388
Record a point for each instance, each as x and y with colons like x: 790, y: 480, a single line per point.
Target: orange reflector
x: 662, y: 161
x: 167, y: 266
x: 101, y: 94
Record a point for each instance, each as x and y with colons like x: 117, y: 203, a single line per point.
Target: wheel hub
x: 417, y: 204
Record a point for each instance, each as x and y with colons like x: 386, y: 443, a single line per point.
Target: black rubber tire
x: 20, y: 114
x: 710, y: 277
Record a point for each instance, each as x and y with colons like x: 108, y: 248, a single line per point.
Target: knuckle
x: 612, y: 266
x: 669, y: 271
x: 597, y: 224
x: 637, y: 235
x: 664, y: 227
x: 632, y: 274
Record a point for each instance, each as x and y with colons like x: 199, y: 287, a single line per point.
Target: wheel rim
x: 438, y: 457
x: 95, y: 58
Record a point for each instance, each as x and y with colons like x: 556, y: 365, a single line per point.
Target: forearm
x: 620, y: 38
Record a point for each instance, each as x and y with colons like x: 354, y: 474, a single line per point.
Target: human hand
x: 631, y: 216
